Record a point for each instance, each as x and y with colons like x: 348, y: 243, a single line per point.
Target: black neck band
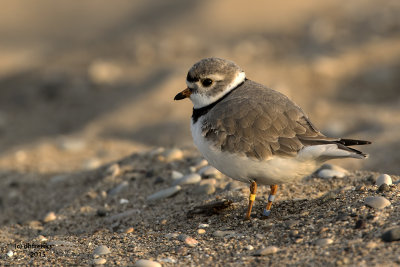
x: 198, y: 112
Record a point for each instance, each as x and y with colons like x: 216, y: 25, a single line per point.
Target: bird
x: 252, y: 133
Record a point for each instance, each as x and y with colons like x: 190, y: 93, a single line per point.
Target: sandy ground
x: 85, y: 85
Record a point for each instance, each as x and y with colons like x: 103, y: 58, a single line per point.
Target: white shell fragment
x: 377, y: 202
x: 383, y: 179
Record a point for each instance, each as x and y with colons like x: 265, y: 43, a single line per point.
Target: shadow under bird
x: 252, y: 133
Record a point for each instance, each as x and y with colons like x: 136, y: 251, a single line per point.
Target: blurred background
x: 83, y: 83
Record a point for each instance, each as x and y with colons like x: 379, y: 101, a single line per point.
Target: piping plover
x: 252, y: 133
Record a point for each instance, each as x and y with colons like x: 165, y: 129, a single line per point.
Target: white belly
x: 272, y: 171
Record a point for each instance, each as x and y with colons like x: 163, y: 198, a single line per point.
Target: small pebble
x: 176, y: 175
x: 377, y: 202
x: 123, y: 201
x: 42, y: 238
x: 201, y: 231
x: 173, y: 154
x: 99, y: 261
x: 249, y: 247
x: 259, y: 236
x: 329, y: 174
x: 72, y: 144
x: 209, y: 172
x: 91, y: 164
x: 205, y: 189
x: 156, y: 151
x: 189, y: 241
x: 323, y: 242
x: 200, y: 164
x: 204, y: 225
x: 118, y: 189
x: 129, y: 230
x: 101, y: 212
x: 114, y: 170
x: 383, y: 179
x: 371, y: 245
x: 219, y: 233
x: 384, y: 188
x: 294, y: 233
x: 361, y: 188
x: 91, y: 194
x: 391, y: 235
x: 181, y: 250
x: 171, y: 235
x: 51, y: 216
x: 192, y: 178
x: 168, y: 192
x: 10, y: 253
x: 147, y: 263
x: 266, y: 251
x: 101, y: 250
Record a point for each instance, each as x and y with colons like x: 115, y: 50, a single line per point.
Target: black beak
x: 179, y: 96
x: 184, y: 94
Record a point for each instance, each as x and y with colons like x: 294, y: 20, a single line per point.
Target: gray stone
x: 118, y: 189
x: 377, y: 202
x: 146, y: 263
x: 384, y: 188
x: 266, y: 251
x: 234, y: 185
x: 168, y: 192
x: 101, y: 250
x: 205, y: 189
x: 209, y: 172
x: 391, y: 235
x: 192, y: 178
x: 171, y: 235
x: 219, y: 233
x: 383, y: 179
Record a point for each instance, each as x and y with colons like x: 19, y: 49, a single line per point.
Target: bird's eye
x: 206, y: 82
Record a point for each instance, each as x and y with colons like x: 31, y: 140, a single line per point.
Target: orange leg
x: 271, y: 198
x: 252, y: 197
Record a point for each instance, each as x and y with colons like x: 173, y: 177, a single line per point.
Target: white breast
x: 275, y: 170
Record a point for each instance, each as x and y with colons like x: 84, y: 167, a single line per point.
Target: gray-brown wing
x: 259, y: 122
